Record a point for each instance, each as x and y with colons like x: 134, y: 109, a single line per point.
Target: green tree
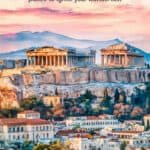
x: 116, y: 96
x: 37, y: 105
x: 123, y: 146
x: 106, y: 105
x: 42, y: 147
x: 27, y: 145
x: 147, y: 98
x: 9, y: 113
x: 52, y: 146
x: 147, y: 126
x: 106, y: 99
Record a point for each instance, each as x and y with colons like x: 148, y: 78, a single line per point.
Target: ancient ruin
x: 121, y: 55
x: 50, y: 56
x: 47, y: 56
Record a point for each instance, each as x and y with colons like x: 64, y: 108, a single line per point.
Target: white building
x: 93, y: 122
x: 139, y: 142
x: 24, y: 129
x: 147, y: 121
x: 133, y: 125
x: 100, y: 143
x: 29, y: 114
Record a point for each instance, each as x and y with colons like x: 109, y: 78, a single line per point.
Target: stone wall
x: 83, y: 76
x: 71, y: 83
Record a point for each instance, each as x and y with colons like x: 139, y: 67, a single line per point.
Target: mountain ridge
x: 17, y: 43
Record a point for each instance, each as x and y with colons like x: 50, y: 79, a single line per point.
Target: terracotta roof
x: 28, y: 112
x: 104, y: 116
x: 132, y: 132
x: 23, y: 121
x: 92, y: 118
x: 67, y: 132
x: 87, y: 135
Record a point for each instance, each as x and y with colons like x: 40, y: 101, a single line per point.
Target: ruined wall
x: 70, y: 83
x: 84, y: 76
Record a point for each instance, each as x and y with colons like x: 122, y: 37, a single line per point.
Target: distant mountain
x: 24, y: 40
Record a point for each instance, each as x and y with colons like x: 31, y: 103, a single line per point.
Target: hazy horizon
x: 127, y: 20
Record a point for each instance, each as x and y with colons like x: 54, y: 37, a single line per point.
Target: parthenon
x: 121, y: 55
x: 47, y: 56
x: 50, y: 56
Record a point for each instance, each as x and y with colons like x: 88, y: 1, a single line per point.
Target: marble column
x: 120, y: 60
x: 114, y: 59
x: 57, y: 60
x: 46, y: 60
x: 42, y: 62
x: 27, y: 62
x: 66, y: 60
x: 102, y: 60
x: 33, y: 60
x: 38, y: 60
x: 61, y: 60
x: 106, y: 59
x: 54, y: 60
x: 50, y: 63
x: 126, y: 60
x: 109, y: 59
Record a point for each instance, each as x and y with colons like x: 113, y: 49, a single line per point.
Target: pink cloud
x: 117, y: 21
x: 44, y: 11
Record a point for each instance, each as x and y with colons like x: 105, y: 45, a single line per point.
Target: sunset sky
x: 128, y: 20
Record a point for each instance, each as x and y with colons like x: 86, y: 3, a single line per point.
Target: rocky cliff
x: 82, y: 76
x: 71, y: 83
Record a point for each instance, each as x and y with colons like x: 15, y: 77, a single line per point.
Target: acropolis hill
x: 69, y: 83
x: 72, y: 73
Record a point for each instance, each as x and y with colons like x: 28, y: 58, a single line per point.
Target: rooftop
x: 28, y: 112
x: 128, y: 132
x: 45, y: 47
x: 124, y: 46
x: 22, y: 121
x: 100, y: 117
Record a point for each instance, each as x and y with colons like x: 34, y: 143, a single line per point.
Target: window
x: 18, y: 137
x: 9, y: 137
x: 44, y: 128
x: 17, y: 129
x: 37, y: 128
x: 47, y: 128
x: 9, y: 129
x: 21, y: 129
x: 13, y: 129
x: 47, y: 135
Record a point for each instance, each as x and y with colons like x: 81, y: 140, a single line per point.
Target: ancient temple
x: 121, y: 55
x: 50, y: 56
x: 47, y: 56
